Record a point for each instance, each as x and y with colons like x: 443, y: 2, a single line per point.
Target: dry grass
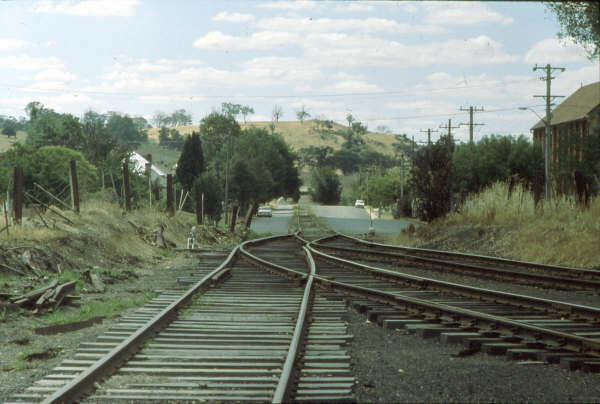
x: 299, y: 135
x: 6, y: 142
x: 558, y: 233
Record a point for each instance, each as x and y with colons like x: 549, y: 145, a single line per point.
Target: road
x: 278, y: 224
x: 343, y: 219
x: 351, y: 220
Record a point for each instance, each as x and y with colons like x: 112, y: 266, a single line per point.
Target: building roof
x: 140, y: 164
x: 576, y: 106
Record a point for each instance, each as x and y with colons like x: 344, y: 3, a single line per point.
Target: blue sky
x: 408, y: 66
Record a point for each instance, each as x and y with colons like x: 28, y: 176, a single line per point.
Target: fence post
x: 170, y: 206
x: 198, y: 198
x: 18, y: 195
x: 234, y: 212
x: 149, y: 174
x: 126, y: 191
x: 74, y: 186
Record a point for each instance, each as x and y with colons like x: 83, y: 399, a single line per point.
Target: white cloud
x: 11, y: 44
x: 354, y: 7
x: 233, y: 17
x: 352, y: 86
x: 320, y: 25
x: 56, y: 75
x: 258, y: 41
x: 555, y: 51
x: 357, y: 50
x: 290, y: 5
x: 463, y: 13
x: 167, y: 99
x: 94, y: 8
x: 29, y: 63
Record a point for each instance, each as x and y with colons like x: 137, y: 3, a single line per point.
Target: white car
x: 264, y: 211
x: 359, y: 203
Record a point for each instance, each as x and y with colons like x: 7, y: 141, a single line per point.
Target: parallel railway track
x: 548, y: 276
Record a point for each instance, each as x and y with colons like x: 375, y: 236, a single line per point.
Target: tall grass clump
x: 560, y: 232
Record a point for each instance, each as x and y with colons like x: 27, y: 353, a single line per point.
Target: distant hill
x: 299, y: 135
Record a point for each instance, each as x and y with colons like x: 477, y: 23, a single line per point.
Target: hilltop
x: 299, y: 135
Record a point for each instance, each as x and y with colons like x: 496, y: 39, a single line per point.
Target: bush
x: 325, y: 186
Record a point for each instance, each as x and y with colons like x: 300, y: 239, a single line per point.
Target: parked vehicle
x: 264, y: 211
x: 359, y: 203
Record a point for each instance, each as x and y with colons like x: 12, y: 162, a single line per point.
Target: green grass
x: 88, y: 310
x: 161, y: 156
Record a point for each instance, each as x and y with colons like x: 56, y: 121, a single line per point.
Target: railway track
x: 250, y: 336
x: 255, y: 328
x: 549, y: 276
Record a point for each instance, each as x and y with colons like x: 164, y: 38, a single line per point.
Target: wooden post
x: 18, y: 196
x: 170, y: 207
x: 202, y: 207
x: 149, y: 174
x: 126, y: 191
x: 234, y: 212
x: 5, y: 206
x: 74, y: 186
x: 198, y: 198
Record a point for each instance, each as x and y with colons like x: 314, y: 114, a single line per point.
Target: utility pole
x: 429, y: 130
x: 471, y: 124
x: 548, y: 98
x: 450, y: 142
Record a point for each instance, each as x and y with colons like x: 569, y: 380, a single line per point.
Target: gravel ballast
x: 393, y: 366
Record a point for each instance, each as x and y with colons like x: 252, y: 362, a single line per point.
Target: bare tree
x: 277, y: 112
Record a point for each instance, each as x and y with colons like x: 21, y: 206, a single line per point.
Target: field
x: 299, y: 135
x: 6, y: 142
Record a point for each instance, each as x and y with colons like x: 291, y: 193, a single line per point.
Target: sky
x: 405, y: 66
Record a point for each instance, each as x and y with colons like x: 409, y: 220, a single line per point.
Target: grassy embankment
x: 103, y: 239
x: 490, y: 223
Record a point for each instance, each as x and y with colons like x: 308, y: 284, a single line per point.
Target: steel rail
x: 495, y: 273
x: 266, y: 264
x: 568, y: 309
x: 454, y: 254
x: 574, y: 342
x: 282, y: 393
x: 80, y: 385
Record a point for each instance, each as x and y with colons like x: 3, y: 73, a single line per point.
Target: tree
x: 191, y: 162
x: 277, y: 113
x: 246, y: 110
x: 49, y: 167
x: 230, y: 109
x: 302, y: 114
x: 216, y: 129
x: 581, y: 21
x: 431, y: 179
x: 141, y: 123
x: 325, y: 186
x: 180, y: 118
x: 160, y: 119
x: 32, y: 108
x: 123, y: 129
x: 9, y: 127
x: 211, y: 186
x: 316, y: 156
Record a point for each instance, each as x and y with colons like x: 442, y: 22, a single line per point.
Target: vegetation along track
x: 251, y: 336
x: 549, y: 276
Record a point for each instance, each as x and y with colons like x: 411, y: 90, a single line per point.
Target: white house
x: 139, y: 165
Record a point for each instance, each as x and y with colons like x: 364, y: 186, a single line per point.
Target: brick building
x: 572, y: 122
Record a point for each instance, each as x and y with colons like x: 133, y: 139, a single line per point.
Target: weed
x: 92, y: 309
